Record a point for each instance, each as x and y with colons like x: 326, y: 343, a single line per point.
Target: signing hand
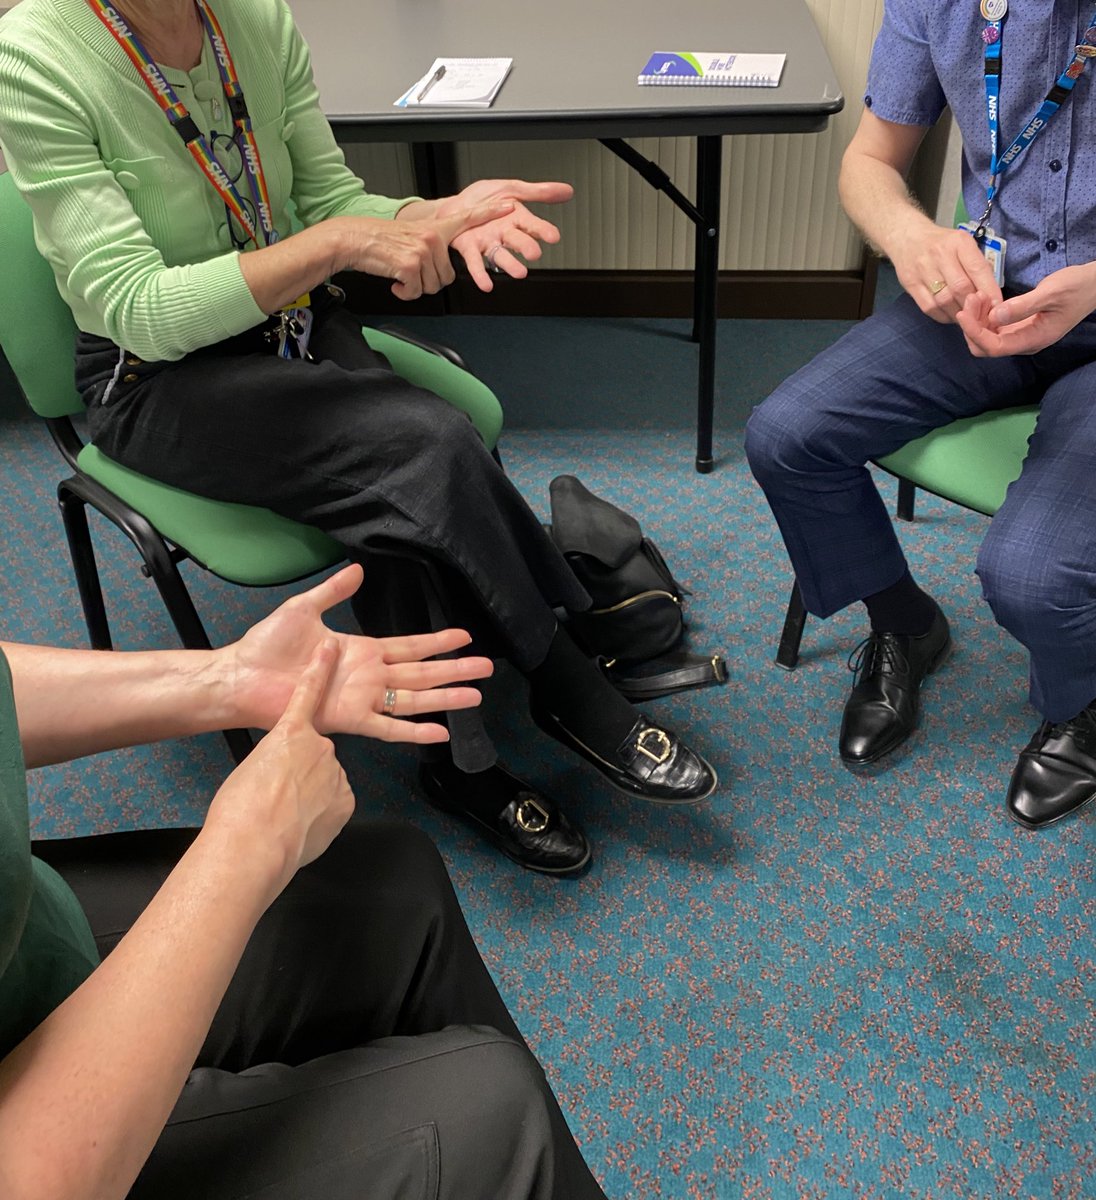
x: 931, y: 256
x: 503, y: 238
x: 413, y: 253
x: 1029, y: 323
x: 289, y: 797
x: 267, y: 662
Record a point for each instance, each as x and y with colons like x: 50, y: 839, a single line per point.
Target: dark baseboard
x: 804, y: 295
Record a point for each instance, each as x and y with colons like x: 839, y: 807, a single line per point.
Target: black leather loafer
x: 651, y: 762
x: 882, y: 709
x: 531, y: 829
x: 1055, y: 774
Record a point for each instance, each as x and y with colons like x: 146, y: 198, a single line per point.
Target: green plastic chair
x: 240, y: 543
x: 970, y: 462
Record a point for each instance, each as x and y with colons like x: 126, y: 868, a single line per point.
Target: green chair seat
x: 238, y: 542
x: 971, y: 461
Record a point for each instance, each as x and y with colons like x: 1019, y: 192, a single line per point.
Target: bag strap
x: 673, y: 672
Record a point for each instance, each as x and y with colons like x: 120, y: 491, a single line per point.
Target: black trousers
x: 361, y: 1050
x: 344, y: 444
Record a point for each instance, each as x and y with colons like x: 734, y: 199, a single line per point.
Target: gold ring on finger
x: 389, y: 705
x: 937, y: 286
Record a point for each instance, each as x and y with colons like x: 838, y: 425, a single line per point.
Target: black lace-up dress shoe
x: 651, y: 763
x: 530, y: 828
x: 881, y: 712
x: 1055, y: 774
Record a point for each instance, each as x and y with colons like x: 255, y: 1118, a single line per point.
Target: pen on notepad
x: 438, y: 74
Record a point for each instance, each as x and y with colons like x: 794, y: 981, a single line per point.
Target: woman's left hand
x: 501, y: 241
x: 265, y: 666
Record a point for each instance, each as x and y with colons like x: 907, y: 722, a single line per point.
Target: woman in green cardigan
x: 160, y: 146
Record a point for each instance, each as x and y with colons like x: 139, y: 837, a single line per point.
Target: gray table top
x: 575, y: 66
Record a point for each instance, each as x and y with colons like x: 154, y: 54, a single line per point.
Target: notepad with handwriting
x: 458, y: 83
x: 705, y: 68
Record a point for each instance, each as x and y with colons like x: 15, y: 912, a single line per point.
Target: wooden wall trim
x: 803, y: 295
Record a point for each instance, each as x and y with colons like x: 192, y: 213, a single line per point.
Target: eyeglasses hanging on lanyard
x: 254, y: 215
x: 994, y: 12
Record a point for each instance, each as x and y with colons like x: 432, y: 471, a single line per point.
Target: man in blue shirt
x: 957, y: 343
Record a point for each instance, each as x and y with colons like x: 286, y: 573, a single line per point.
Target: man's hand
x: 928, y: 255
x: 1029, y: 323
x: 266, y: 664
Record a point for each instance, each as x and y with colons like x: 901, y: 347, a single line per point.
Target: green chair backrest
x: 36, y: 327
x: 444, y: 378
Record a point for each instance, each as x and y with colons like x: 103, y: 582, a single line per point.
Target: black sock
x: 572, y: 687
x: 485, y: 793
x: 902, y: 609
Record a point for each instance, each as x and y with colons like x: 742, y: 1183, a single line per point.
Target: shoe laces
x: 1082, y: 728
x: 878, y: 652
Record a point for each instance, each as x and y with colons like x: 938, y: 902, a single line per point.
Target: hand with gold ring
x: 940, y: 268
x: 375, y: 684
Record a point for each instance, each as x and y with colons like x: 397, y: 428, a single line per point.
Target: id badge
x: 993, y: 247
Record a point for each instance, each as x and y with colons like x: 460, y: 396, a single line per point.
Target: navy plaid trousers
x: 897, y: 376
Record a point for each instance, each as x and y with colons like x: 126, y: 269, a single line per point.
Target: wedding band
x: 389, y: 705
x: 489, y: 257
x: 936, y: 286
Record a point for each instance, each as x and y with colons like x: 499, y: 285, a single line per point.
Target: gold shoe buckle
x: 664, y: 747
x: 531, y: 816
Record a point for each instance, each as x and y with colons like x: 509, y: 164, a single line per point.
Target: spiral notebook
x: 703, y: 68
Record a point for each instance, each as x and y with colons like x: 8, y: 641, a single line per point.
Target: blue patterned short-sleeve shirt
x: 929, y: 53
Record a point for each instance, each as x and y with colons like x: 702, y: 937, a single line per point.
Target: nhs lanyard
x: 184, y: 125
x: 995, y: 12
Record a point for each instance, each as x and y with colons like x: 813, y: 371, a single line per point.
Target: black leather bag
x: 636, y: 619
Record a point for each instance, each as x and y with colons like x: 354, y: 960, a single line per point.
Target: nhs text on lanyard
x: 995, y: 11
x: 295, y: 321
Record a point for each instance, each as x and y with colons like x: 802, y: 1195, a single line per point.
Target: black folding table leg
x: 709, y: 156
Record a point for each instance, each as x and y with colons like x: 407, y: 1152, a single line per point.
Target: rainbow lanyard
x: 184, y: 125
x: 995, y: 12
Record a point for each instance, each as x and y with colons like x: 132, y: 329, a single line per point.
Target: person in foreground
x: 296, y: 1011
x: 956, y: 344
x: 162, y: 148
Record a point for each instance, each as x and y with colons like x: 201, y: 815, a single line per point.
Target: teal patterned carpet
x: 817, y: 985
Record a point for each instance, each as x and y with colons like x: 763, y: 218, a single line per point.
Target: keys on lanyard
x: 293, y: 330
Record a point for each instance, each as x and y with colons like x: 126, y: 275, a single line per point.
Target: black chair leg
x: 74, y: 514
x: 906, y: 493
x: 787, y: 654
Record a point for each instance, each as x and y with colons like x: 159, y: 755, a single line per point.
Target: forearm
x: 276, y: 275
x: 84, y: 1098
x: 76, y: 702
x: 875, y: 197
x: 418, y: 210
